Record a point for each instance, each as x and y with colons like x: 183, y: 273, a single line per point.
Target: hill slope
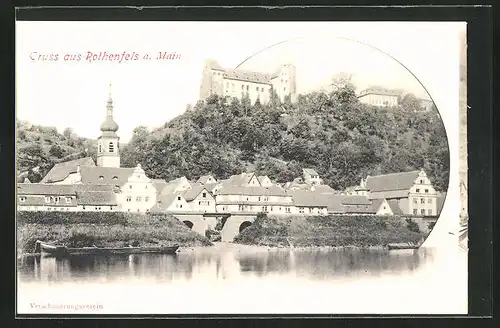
x: 341, y: 138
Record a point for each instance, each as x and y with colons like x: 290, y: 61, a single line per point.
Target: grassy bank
x: 107, y: 229
x: 336, y: 231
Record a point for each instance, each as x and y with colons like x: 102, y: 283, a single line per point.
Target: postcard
x: 241, y: 168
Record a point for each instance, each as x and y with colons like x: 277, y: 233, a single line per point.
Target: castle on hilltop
x: 238, y: 83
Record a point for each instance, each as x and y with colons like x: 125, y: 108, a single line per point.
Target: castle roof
x: 402, y: 181
x: 247, y: 76
x: 60, y: 171
x: 380, y: 91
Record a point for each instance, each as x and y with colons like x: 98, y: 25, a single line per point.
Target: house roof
x: 365, y: 209
x: 310, y: 171
x: 323, y: 189
x: 379, y: 91
x: 165, y: 200
x: 171, y: 186
x: 45, y: 189
x: 81, y: 188
x: 263, y: 178
x: 105, y: 175
x: 356, y: 200
x: 61, y: 171
x: 393, y: 181
x: 96, y: 198
x: 204, y: 179
x: 247, y: 76
x: 238, y: 180
x: 252, y: 191
x: 159, y: 185
x: 396, y: 210
x: 309, y: 199
x: 299, y: 186
x: 376, y: 204
x: 192, y: 193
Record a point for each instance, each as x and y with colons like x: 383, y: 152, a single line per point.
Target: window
x: 100, y: 148
x: 101, y: 178
x: 115, y: 178
x: 22, y: 199
x: 262, y: 89
x: 242, y: 87
x: 429, y: 200
x: 417, y: 190
x: 414, y: 211
x: 68, y: 200
x: 284, y: 89
x: 414, y: 200
x: 257, y: 89
x: 56, y: 199
x: 138, y: 199
x: 199, y: 203
x: 422, y: 211
x: 281, y: 80
x: 259, y: 199
x: 426, y: 190
x: 288, y: 209
x: 178, y: 197
x: 301, y: 210
x: 248, y: 87
x: 84, y: 207
x: 204, y: 195
x: 111, y: 147
x: 146, y: 199
x: 129, y: 198
x: 384, y: 207
x: 129, y: 186
x: 421, y: 181
x: 429, y: 212
x: 180, y: 206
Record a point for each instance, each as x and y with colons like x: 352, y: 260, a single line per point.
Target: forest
x: 332, y: 132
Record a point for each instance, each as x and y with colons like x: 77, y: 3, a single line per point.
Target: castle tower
x: 108, y: 150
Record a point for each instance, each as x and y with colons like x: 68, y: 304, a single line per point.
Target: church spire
x: 109, y: 124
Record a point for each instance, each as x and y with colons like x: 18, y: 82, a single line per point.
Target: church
x: 92, y: 186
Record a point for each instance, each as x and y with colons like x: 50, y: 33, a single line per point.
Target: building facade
x: 239, y: 83
x: 379, y: 97
x: 410, y: 193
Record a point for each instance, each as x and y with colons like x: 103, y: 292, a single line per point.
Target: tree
x: 68, y: 132
x: 56, y: 151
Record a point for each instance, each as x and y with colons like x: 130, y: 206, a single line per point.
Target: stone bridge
x: 233, y: 223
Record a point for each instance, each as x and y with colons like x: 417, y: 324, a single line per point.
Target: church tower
x: 108, y: 150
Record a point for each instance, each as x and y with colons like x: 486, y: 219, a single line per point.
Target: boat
x: 61, y: 250
x: 402, y: 246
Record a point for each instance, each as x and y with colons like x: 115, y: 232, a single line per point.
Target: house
x: 206, y: 179
x: 97, y: 198
x: 381, y: 97
x: 177, y: 185
x: 265, y: 181
x: 253, y: 199
x: 45, y: 197
x: 412, y: 191
x: 311, y: 176
x: 199, y: 199
x: 306, y: 202
x: 137, y: 191
x: 170, y: 203
x: 67, y: 172
x: 386, y: 207
x: 356, y: 204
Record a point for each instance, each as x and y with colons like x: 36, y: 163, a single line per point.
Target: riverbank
x: 103, y: 229
x: 329, y: 231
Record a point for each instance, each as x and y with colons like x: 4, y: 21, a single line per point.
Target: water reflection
x: 216, y: 266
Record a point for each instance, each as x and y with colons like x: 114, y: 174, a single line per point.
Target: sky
x: 151, y: 92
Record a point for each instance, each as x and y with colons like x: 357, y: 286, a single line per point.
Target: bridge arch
x: 188, y: 223
x: 244, y: 225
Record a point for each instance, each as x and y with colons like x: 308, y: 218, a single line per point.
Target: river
x: 231, y: 279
